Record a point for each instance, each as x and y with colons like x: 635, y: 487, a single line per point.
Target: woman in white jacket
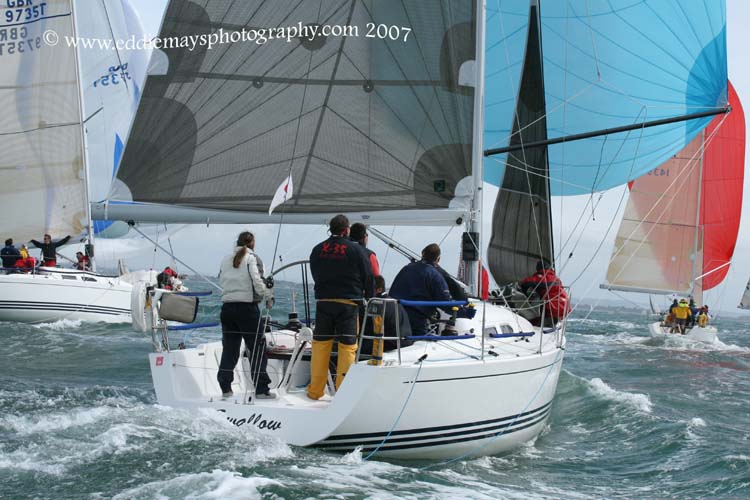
x: 243, y: 289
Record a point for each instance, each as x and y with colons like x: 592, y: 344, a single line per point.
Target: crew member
x: 343, y: 277
x: 82, y: 262
x: 681, y: 313
x: 358, y: 233
x: 421, y: 281
x: 242, y: 291
x: 49, y: 249
x: 703, y: 317
x: 10, y: 254
x: 548, y: 287
x: 165, y: 279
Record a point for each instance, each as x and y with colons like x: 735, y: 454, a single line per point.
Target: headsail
x: 680, y: 225
x: 41, y: 167
x: 363, y: 124
x: 521, y: 223
x: 608, y: 64
x: 111, y: 84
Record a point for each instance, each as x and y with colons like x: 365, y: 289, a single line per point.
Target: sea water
x: 634, y: 417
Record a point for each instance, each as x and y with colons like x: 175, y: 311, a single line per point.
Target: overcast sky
x: 202, y: 247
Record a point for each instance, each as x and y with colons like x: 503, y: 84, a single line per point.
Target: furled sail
x: 41, y: 166
x: 521, y: 222
x: 681, y: 222
x: 607, y: 64
x: 362, y: 124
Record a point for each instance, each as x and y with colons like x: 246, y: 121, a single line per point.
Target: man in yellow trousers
x: 343, y: 278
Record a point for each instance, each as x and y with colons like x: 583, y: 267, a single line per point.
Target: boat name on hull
x: 257, y: 420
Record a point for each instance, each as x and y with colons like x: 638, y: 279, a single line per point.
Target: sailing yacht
x: 45, y: 171
x: 391, y: 130
x: 679, y: 229
x: 745, y: 301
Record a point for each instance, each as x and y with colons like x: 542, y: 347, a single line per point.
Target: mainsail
x: 41, y: 167
x: 679, y: 229
x: 361, y: 124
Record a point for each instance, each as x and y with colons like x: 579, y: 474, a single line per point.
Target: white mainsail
x: 42, y: 168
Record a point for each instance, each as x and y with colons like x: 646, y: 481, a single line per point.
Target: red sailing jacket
x: 550, y: 289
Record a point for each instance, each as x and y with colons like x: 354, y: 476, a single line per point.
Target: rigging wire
x: 294, y: 147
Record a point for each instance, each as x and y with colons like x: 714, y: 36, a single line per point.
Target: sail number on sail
x: 23, y: 11
x: 14, y: 36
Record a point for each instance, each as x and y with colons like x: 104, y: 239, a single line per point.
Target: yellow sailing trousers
x: 321, y: 356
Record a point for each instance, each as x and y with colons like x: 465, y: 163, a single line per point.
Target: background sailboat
x: 45, y: 178
x: 680, y: 225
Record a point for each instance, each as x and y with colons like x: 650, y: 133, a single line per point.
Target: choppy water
x: 633, y: 418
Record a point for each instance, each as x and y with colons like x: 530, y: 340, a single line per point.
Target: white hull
x: 63, y: 294
x: 459, y: 405
x: 705, y: 334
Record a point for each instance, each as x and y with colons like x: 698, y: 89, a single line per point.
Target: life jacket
x: 702, y: 320
x: 556, y: 301
x: 682, y: 312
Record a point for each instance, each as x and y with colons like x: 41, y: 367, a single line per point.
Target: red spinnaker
x: 721, y: 193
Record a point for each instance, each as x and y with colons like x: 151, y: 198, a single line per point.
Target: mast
x: 699, y: 229
x: 84, y: 150
x: 474, y: 225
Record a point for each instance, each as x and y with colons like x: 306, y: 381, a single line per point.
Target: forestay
x: 41, y: 168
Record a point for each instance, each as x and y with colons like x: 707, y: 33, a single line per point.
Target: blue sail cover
x: 607, y: 64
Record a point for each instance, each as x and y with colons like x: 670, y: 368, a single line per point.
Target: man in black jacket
x: 343, y: 278
x: 49, y: 249
x: 10, y: 254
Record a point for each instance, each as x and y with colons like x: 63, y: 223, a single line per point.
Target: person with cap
x: 10, y: 254
x: 545, y: 284
x: 358, y: 233
x: 242, y: 291
x: 681, y: 313
x: 343, y: 277
x: 49, y: 249
x: 421, y: 281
